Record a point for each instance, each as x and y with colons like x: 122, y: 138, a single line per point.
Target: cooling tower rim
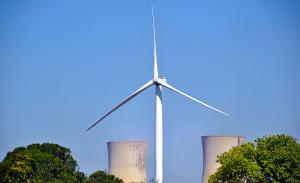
x: 128, y: 142
x: 221, y: 136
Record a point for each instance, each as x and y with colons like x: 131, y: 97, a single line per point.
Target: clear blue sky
x: 65, y: 63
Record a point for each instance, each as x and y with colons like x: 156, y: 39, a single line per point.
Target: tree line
x: 47, y: 162
x: 269, y: 159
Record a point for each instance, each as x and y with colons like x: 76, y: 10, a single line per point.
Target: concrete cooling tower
x: 128, y: 160
x: 212, y: 147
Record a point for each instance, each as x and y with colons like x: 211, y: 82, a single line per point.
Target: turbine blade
x: 192, y: 98
x: 140, y: 90
x: 155, y: 69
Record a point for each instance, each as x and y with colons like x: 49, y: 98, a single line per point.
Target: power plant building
x: 128, y: 160
x: 212, y: 147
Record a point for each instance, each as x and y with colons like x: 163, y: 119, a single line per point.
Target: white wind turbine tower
x: 158, y: 82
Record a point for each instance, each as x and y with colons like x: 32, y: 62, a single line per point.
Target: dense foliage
x: 51, y: 163
x: 39, y: 163
x: 100, y: 176
x: 275, y: 158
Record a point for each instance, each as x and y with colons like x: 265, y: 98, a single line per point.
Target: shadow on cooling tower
x: 128, y: 160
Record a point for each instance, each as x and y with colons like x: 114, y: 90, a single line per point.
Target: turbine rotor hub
x: 160, y: 79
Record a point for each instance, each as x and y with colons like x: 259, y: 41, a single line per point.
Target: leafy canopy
x: 101, y: 176
x: 40, y: 163
x: 274, y: 158
x: 51, y: 163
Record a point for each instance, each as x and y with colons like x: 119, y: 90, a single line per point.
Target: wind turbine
x: 158, y: 82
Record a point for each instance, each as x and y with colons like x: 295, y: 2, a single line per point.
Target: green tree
x: 40, y: 163
x: 275, y: 158
x: 17, y: 167
x: 102, y: 177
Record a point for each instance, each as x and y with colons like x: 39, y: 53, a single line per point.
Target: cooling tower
x: 212, y: 147
x: 128, y: 160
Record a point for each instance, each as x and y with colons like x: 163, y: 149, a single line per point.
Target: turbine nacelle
x: 158, y: 80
